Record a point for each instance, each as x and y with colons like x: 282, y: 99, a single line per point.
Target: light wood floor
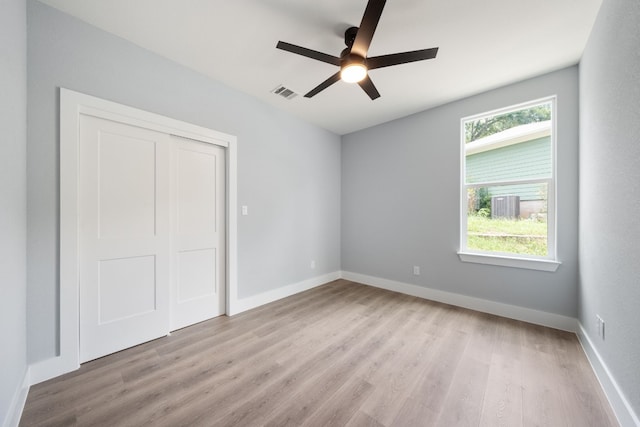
x: 342, y: 354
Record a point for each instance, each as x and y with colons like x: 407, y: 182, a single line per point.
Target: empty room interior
x: 285, y: 212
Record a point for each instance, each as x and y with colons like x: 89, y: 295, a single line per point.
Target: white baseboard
x: 244, y: 304
x: 537, y: 317
x: 626, y: 416
x: 51, y: 368
x: 619, y: 403
x: 12, y: 418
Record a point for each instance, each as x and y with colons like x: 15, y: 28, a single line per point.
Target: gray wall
x: 289, y: 171
x: 401, y: 192
x: 13, y: 184
x: 610, y: 190
x: 400, y: 182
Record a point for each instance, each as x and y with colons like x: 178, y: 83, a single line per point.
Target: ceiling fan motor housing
x: 346, y: 57
x: 352, y: 59
x: 350, y: 36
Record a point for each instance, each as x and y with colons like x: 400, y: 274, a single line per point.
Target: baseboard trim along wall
x: 244, y: 304
x: 50, y: 368
x: 619, y: 403
x: 500, y: 309
x: 12, y: 418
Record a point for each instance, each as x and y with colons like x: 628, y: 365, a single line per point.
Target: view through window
x: 508, y: 191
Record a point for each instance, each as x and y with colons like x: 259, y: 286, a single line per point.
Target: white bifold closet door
x: 151, y: 234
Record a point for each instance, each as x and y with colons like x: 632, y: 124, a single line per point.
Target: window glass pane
x: 510, y: 146
x: 508, y: 219
x: 489, y: 125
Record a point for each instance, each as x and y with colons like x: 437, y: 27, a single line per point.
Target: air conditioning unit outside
x: 505, y: 207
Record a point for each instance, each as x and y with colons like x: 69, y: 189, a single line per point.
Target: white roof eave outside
x: 514, y: 135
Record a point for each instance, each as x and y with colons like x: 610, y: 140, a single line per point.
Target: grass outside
x: 521, y: 236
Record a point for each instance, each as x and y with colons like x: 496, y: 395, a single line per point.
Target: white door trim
x: 72, y: 105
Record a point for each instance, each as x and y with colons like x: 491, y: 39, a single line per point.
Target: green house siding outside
x: 526, y: 160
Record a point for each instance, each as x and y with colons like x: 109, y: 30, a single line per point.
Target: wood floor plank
x: 581, y: 394
x: 339, y: 351
x: 397, y: 375
x: 316, y: 391
x: 414, y: 413
x: 464, y: 399
x: 294, y: 366
x: 502, y: 403
x: 144, y: 391
x: 360, y: 419
x: 540, y: 403
x: 341, y: 406
x: 339, y: 354
x: 195, y: 365
x: 242, y: 389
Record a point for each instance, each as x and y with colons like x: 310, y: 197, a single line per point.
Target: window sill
x: 507, y: 261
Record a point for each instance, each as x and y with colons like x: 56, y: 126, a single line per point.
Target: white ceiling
x: 483, y: 45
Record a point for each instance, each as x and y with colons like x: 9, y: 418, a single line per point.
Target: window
x: 508, y: 191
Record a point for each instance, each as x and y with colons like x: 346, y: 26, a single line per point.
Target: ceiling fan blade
x: 367, y: 27
x: 367, y: 85
x: 401, y: 58
x: 322, y: 86
x: 309, y: 53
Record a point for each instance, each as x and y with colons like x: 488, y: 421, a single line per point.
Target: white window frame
x: 544, y: 263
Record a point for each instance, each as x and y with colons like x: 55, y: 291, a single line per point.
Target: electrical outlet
x: 416, y: 270
x: 313, y: 264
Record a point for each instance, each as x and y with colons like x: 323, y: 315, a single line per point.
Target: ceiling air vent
x: 284, y: 92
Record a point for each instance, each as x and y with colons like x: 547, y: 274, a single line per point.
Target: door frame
x: 72, y: 106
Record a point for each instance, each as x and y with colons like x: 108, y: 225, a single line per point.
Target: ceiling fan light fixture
x: 354, y: 61
x: 353, y: 72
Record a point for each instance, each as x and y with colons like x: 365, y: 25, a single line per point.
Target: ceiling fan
x: 353, y: 61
